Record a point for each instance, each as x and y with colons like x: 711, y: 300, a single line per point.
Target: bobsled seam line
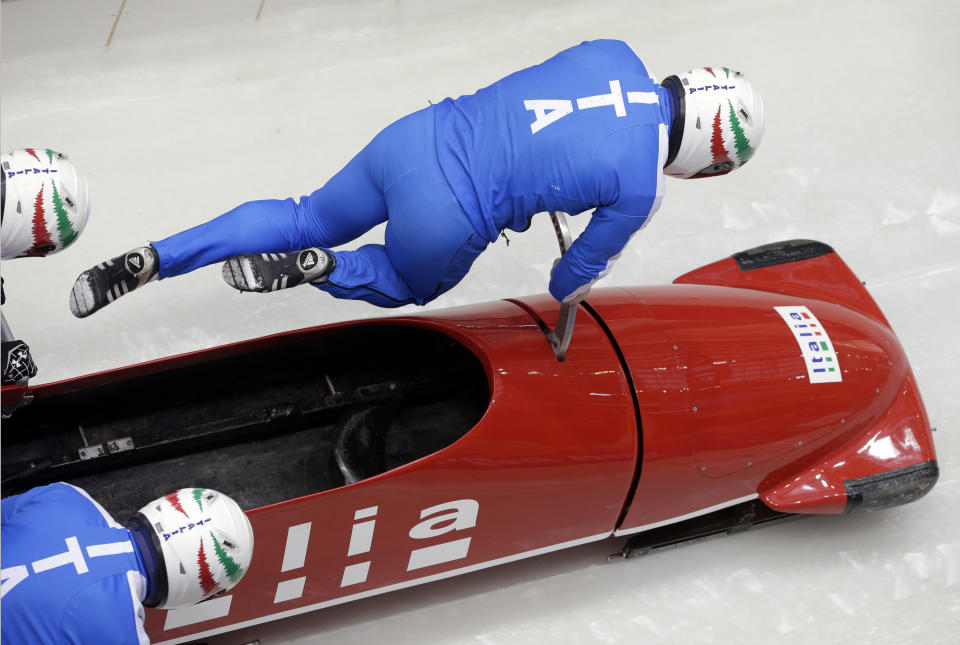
x: 532, y: 313
x: 380, y: 590
x: 680, y: 518
x: 625, y: 366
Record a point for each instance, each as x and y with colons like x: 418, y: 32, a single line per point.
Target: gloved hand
x: 18, y: 365
x: 579, y: 297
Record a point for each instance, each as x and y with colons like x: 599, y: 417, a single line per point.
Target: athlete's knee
x: 308, y: 220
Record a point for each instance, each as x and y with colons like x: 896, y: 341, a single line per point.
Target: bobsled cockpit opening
x: 271, y: 420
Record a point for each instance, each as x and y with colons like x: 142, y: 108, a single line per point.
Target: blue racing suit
x: 587, y: 129
x: 70, y: 574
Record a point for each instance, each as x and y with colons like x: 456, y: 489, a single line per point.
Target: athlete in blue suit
x: 72, y: 575
x: 586, y: 129
x: 53, y: 590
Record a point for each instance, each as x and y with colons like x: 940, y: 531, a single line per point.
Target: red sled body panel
x: 526, y: 479
x: 768, y: 377
x: 728, y: 411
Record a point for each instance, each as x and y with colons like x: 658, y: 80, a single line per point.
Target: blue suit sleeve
x: 605, y: 54
x: 627, y: 180
x: 53, y: 500
x: 591, y: 256
x: 11, y: 506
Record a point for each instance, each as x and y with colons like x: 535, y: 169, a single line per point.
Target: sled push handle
x: 560, y: 337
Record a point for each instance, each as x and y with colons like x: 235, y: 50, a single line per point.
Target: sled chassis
x: 380, y: 454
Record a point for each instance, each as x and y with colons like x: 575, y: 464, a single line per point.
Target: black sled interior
x: 264, y: 426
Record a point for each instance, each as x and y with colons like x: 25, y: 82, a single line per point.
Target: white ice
x: 197, y: 106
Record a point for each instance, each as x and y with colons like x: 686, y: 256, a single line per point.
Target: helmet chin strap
x: 148, y: 544
x: 678, y: 115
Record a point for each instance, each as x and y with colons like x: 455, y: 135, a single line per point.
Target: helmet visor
x: 713, y: 170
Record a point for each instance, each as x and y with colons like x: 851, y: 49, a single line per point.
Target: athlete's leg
x: 429, y: 241
x: 347, y: 206
x: 412, y: 267
x: 268, y: 226
x: 367, y: 274
x: 430, y: 263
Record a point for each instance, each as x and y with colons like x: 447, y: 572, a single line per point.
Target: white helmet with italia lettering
x: 718, y: 123
x: 45, y: 203
x: 195, y: 543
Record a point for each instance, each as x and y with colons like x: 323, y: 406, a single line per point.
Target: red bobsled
x: 381, y: 454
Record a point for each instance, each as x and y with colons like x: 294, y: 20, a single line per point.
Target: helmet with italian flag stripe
x: 45, y: 203
x: 718, y: 123
x: 195, y: 543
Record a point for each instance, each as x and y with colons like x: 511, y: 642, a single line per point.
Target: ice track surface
x: 197, y: 106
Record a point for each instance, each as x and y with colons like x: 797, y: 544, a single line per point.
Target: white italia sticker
x: 815, y: 345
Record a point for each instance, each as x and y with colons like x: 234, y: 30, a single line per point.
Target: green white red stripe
x: 716, y: 141
x: 41, y: 237
x: 174, y: 500
x: 207, y: 583
x: 741, y: 144
x: 234, y: 570
x: 64, y: 227
x: 740, y: 140
x: 198, y: 496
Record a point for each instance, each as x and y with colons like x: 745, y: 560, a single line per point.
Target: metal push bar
x: 560, y: 337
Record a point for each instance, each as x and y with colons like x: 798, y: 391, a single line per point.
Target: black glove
x: 18, y: 365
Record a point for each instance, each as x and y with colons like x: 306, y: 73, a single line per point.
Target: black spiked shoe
x: 273, y: 271
x: 97, y: 287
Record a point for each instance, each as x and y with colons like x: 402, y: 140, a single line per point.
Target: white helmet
x: 45, y: 203
x: 195, y: 543
x: 718, y: 122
